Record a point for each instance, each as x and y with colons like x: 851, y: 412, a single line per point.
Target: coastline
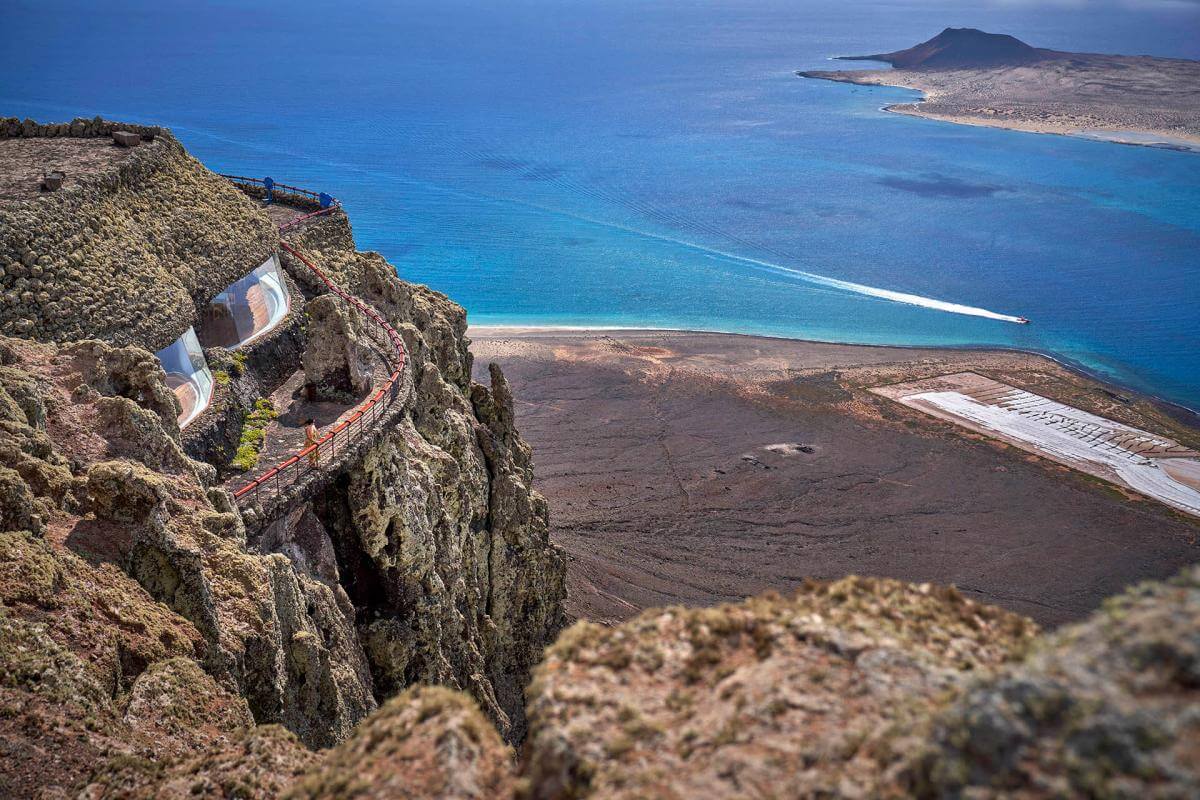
x: 696, y: 468
x: 953, y: 90
x: 1176, y: 144
x: 1183, y: 414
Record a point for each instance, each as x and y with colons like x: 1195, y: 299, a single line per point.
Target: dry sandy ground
x: 1132, y: 99
x: 700, y: 468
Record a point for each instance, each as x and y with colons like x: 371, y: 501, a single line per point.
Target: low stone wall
x: 78, y: 128
x: 128, y: 254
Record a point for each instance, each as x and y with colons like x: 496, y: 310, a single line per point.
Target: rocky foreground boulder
x: 810, y: 696
x: 874, y: 688
x: 1107, y: 708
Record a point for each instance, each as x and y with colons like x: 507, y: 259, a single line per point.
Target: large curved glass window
x: 187, y: 375
x: 247, y: 308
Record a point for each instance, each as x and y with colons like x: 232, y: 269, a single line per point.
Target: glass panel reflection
x: 187, y: 375
x: 247, y: 309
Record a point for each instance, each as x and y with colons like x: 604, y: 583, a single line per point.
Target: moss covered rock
x: 125, y: 491
x: 1106, y: 708
x: 258, y: 764
x: 176, y: 699
x: 799, y: 697
x: 428, y: 742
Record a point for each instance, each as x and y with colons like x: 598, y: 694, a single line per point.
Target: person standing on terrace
x: 311, y: 437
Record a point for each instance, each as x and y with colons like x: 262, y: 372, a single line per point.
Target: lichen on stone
x: 428, y: 742
x: 804, y: 696
x: 1109, y: 707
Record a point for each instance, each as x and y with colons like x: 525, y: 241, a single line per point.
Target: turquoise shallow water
x: 620, y: 163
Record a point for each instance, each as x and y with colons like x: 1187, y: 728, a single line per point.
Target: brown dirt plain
x: 692, y: 468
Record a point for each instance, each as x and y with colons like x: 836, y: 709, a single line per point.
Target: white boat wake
x: 886, y: 294
x: 809, y: 277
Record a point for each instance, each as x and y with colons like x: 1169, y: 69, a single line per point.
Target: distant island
x: 977, y: 78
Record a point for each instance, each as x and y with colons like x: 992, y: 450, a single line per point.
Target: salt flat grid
x: 1079, y: 439
x: 1094, y: 430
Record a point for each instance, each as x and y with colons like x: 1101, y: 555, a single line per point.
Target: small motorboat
x: 1022, y: 321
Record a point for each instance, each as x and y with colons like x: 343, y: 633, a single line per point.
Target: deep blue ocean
x: 608, y: 162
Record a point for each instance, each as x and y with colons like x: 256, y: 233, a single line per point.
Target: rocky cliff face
x: 141, y: 624
x: 133, y: 576
x: 443, y: 543
x: 150, y: 638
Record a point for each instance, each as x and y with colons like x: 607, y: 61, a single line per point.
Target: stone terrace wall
x: 125, y: 255
x: 78, y: 128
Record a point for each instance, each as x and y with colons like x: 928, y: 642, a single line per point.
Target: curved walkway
x: 335, y: 445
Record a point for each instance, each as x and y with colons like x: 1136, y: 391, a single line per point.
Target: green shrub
x: 254, y: 433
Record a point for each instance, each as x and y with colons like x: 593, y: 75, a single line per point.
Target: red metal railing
x: 365, y: 416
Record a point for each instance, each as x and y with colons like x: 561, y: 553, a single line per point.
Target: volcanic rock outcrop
x: 961, y: 47
x: 873, y: 688
x: 336, y: 361
x: 802, y: 697
x: 150, y: 635
x: 444, y: 544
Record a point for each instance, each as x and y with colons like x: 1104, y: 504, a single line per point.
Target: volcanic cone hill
x: 960, y: 47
